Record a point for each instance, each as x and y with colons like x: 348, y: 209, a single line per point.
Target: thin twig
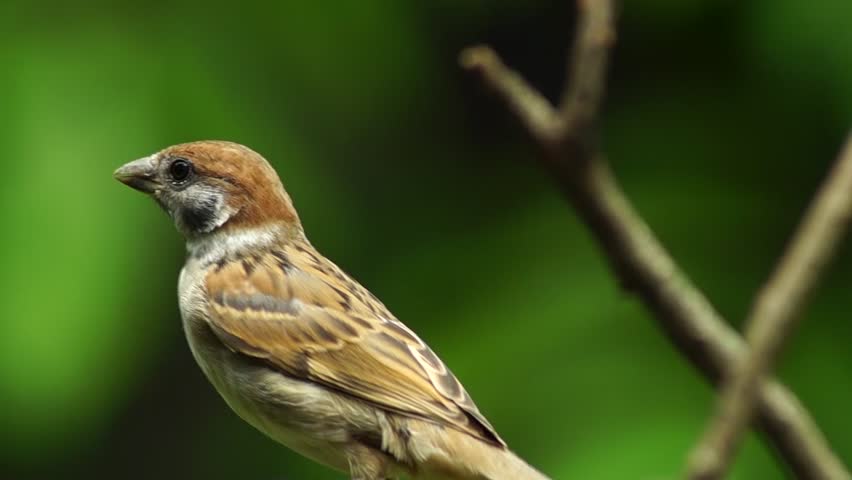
x: 566, y: 140
x: 774, y: 315
x: 585, y: 78
x: 533, y: 110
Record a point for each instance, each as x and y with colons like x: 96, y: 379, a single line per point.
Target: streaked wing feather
x: 302, y: 314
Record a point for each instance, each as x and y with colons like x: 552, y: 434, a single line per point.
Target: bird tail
x: 508, y: 466
x: 463, y: 457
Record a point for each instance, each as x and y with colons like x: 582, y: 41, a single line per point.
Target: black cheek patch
x: 200, y: 217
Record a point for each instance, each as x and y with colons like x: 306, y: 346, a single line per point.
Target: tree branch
x: 565, y: 138
x: 585, y: 78
x: 774, y: 315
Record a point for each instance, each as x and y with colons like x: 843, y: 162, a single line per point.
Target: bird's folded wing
x: 299, y: 312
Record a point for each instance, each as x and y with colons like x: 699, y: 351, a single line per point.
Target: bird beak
x: 139, y: 174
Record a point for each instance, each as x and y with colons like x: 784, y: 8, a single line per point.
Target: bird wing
x: 300, y: 313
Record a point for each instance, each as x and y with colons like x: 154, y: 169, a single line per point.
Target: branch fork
x: 566, y: 138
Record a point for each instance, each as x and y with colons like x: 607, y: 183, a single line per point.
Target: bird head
x: 212, y: 186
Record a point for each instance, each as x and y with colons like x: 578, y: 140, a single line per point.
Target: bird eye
x: 180, y: 169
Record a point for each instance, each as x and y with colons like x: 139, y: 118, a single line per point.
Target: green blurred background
x: 721, y: 119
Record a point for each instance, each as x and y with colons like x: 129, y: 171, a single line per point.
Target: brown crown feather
x: 253, y: 186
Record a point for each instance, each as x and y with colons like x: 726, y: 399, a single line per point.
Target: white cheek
x: 223, y: 212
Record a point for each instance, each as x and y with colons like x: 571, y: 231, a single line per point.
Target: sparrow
x: 295, y: 346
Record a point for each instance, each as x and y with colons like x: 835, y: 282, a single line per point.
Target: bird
x: 296, y: 347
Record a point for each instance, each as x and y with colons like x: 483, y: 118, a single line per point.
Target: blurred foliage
x: 721, y: 119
